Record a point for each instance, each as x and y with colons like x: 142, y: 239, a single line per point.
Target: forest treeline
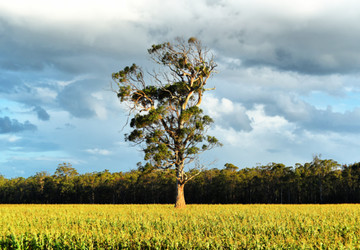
x: 319, y: 181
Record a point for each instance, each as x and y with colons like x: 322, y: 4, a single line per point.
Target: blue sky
x: 287, y: 85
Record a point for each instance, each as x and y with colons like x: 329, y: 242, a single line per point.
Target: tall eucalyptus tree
x: 166, y: 117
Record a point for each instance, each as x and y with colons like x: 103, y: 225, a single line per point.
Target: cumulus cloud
x: 272, y: 138
x: 227, y: 113
x: 263, y: 127
x: 312, y: 118
x: 8, y: 125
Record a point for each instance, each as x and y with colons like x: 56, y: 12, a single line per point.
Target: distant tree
x: 227, y: 180
x: 90, y: 182
x: 230, y: 167
x: 65, y: 176
x: 321, y: 170
x: 36, y: 185
x: 65, y: 170
x: 166, y: 114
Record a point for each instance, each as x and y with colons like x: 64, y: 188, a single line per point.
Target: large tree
x: 166, y: 118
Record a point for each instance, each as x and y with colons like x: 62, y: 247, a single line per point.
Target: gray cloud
x: 289, y: 105
x: 61, y: 52
x: 75, y: 98
x: 14, y: 126
x: 69, y: 47
x: 308, y: 117
x: 269, y: 53
x: 17, y: 48
x: 328, y: 120
x: 319, y: 44
x: 41, y: 113
x: 238, y: 121
x: 9, y: 83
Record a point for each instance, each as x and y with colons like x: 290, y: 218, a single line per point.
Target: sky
x: 287, y: 81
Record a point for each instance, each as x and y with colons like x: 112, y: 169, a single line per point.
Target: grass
x: 163, y: 227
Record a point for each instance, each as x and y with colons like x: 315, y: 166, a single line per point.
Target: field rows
x: 162, y: 226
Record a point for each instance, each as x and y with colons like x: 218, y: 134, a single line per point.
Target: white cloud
x: 97, y: 151
x: 14, y: 138
x: 100, y: 111
x: 226, y: 113
x: 66, y: 10
x: 265, y: 130
x: 273, y: 139
x: 10, y: 138
x: 263, y: 123
x: 64, y: 83
x: 45, y: 94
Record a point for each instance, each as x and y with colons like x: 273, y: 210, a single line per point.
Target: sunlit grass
x: 162, y: 226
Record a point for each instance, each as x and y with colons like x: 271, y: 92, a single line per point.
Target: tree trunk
x: 180, y: 198
x: 92, y: 196
x: 180, y: 177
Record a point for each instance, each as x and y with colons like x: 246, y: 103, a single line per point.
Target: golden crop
x: 163, y: 227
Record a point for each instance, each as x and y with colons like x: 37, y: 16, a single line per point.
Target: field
x: 162, y: 226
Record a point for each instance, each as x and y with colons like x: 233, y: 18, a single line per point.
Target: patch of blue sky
x: 5, y: 103
x: 342, y: 104
x: 7, y: 107
x: 28, y: 163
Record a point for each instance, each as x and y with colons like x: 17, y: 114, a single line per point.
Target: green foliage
x: 231, y: 167
x: 65, y: 170
x: 166, y: 117
x: 318, y: 181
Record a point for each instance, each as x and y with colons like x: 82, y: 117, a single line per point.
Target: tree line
x: 319, y: 181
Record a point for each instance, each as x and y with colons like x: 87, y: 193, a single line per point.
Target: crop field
x: 163, y: 227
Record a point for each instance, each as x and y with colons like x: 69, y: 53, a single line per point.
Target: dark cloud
x: 71, y: 48
x: 312, y: 63
x: 41, y: 113
x: 18, y: 48
x: 314, y: 46
x: 14, y: 126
